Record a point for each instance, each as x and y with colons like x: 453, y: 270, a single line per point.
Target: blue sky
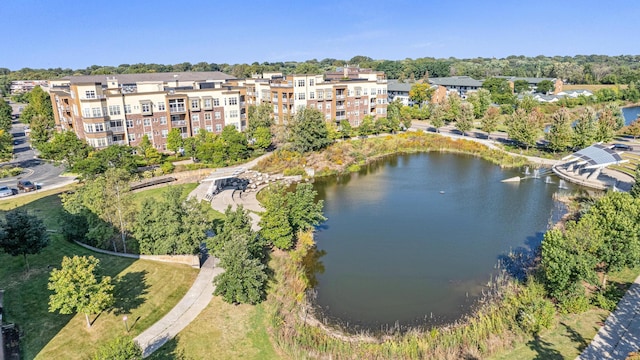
x: 76, y: 34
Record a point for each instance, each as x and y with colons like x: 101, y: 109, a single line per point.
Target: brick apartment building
x: 122, y: 108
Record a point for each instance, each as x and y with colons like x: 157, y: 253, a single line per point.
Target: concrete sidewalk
x: 620, y: 334
x: 185, y: 311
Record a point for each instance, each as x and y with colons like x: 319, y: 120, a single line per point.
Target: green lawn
x: 222, y: 331
x: 142, y: 291
x: 157, y: 193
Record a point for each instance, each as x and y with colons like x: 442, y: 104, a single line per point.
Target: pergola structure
x: 587, y: 163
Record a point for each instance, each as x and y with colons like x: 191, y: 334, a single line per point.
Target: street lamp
x: 126, y: 326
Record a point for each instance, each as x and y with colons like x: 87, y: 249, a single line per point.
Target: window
x: 147, y: 122
x: 207, y: 103
x: 207, y: 116
x: 195, y: 117
x: 216, y: 102
x: 328, y: 106
x: 114, y: 110
x: 161, y: 106
x: 90, y: 94
x: 320, y: 94
x: 146, y: 107
x: 218, y: 127
x: 217, y: 115
x: 196, y: 130
x: 165, y: 133
x: 96, y: 112
x: 127, y: 109
x: 233, y: 101
x: 176, y: 105
x: 115, y: 123
x: 358, y: 92
x: 364, y: 92
x: 163, y: 120
x: 86, y: 112
x: 99, y: 127
x: 319, y: 106
x: 310, y: 82
x: 195, y: 104
x: 312, y: 95
x: 300, y: 82
x: 233, y: 113
x: 301, y: 96
x: 210, y: 128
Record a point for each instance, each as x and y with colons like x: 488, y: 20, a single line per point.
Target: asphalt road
x: 37, y: 171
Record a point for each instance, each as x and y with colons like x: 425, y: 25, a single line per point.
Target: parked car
x: 5, y: 191
x: 624, y: 147
x: 26, y: 185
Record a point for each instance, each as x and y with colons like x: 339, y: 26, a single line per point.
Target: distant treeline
x: 579, y: 69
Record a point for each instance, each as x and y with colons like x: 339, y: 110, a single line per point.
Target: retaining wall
x: 191, y: 260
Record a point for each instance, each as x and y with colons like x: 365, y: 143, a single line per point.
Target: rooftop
x: 530, y: 80
x: 456, y: 81
x: 164, y: 77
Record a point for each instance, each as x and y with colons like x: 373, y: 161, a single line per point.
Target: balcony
x: 242, y: 103
x: 119, y: 142
x: 184, y: 135
x: 340, y: 107
x: 340, y: 97
x: 177, y: 109
x: 178, y: 123
x: 341, y: 117
x: 97, y: 97
x: 117, y: 129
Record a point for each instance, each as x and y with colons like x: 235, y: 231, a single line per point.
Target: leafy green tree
x: 524, y: 128
x: 120, y: 348
x: 260, y: 116
x: 262, y: 137
x: 381, y: 125
x: 275, y: 226
x: 304, y: 211
x: 527, y: 103
x: 500, y: 90
x: 545, y: 86
x: 560, y: 133
x: 5, y: 116
x: 394, y: 114
x: 345, y: 129
x: 244, y: 278
x: 308, y: 131
x: 420, y: 93
x: 149, y: 153
x: 633, y: 129
x: 521, y: 86
x: 237, y: 223
x: 235, y: 144
x: 635, y: 188
x: 490, y: 121
x: 585, y: 129
x: 453, y: 107
x: 606, y: 126
x: 39, y: 105
x: 174, y: 140
x: 41, y: 130
x: 631, y: 93
x: 76, y: 288
x: 307, y: 69
x: 65, y: 147
x: 481, y: 101
x: 6, y: 145
x: 437, y: 117
x: 464, y: 122
x: 366, y: 126
x: 171, y: 226
x: 23, y: 234
x: 616, y: 112
x: 99, y: 161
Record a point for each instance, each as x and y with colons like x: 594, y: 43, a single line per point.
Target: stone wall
x: 191, y: 260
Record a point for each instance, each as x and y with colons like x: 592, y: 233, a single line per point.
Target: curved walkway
x: 185, y: 311
x: 620, y: 334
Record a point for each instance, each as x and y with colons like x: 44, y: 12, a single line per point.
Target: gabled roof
x: 456, y: 81
x: 394, y: 85
x: 530, y: 80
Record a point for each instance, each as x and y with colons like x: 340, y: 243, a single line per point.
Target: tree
x: 560, y: 133
x: 39, y: 115
x: 464, y: 122
x: 545, y: 87
x: 262, y: 138
x: 174, y: 140
x: 481, y: 101
x: 260, y: 116
x: 170, y: 226
x: 490, y: 121
x: 524, y: 128
x: 150, y: 154
x: 23, y: 234
x: 437, y: 117
x: 527, y: 103
x: 345, y: 129
x: 366, y: 126
x: 120, y: 348
x: 521, y: 86
x: 77, y: 289
x: 500, y: 90
x: 308, y: 131
x: 304, y: 211
x: 635, y: 188
x: 275, y: 226
x: 244, y: 277
x: 394, y: 114
x: 452, y: 106
x: 420, y: 93
x: 585, y: 129
x: 41, y: 129
x: 633, y: 129
x: 606, y: 126
x: 616, y: 112
x: 237, y: 223
x: 65, y: 147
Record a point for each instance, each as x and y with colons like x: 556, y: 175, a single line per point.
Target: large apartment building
x: 121, y: 109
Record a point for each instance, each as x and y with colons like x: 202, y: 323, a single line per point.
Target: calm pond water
x: 630, y: 114
x: 400, y: 251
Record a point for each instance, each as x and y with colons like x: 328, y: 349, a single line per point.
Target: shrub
x: 10, y: 171
x: 294, y: 171
x: 534, y: 311
x: 167, y: 167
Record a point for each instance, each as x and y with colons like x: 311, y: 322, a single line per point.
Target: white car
x: 5, y: 191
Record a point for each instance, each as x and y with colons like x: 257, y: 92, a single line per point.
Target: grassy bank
x: 352, y: 154
x: 142, y: 291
